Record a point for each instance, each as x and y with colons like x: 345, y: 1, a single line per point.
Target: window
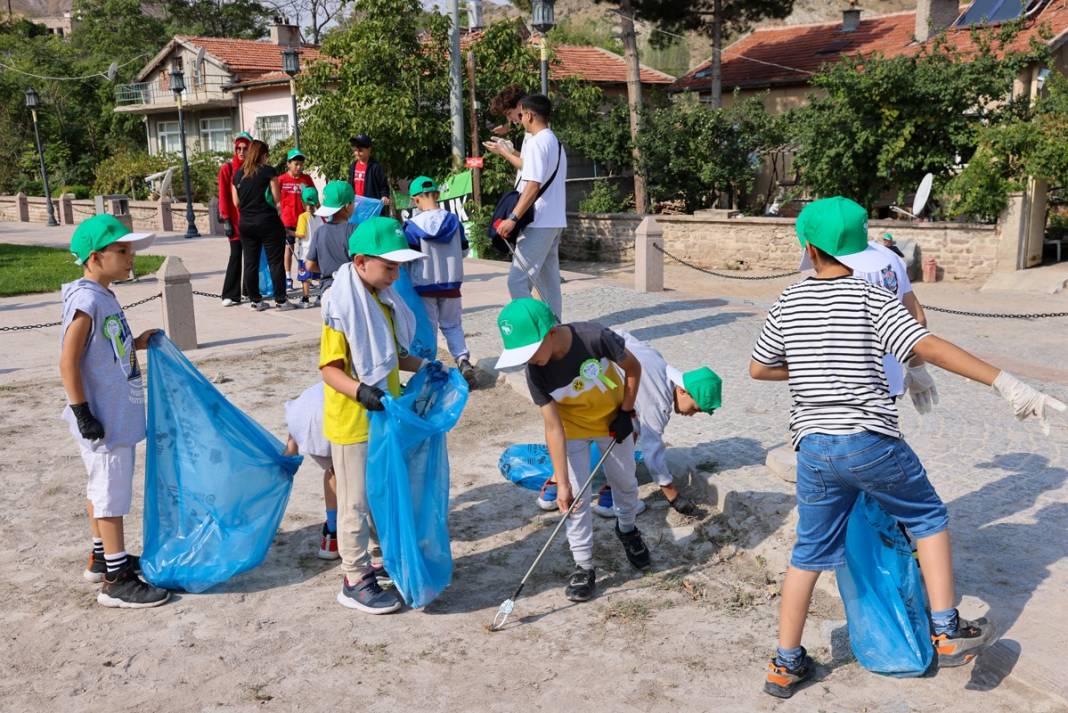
x: 272, y: 129
x: 215, y: 134
x: 170, y: 139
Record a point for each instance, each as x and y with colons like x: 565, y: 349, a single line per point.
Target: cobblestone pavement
x: 1005, y: 483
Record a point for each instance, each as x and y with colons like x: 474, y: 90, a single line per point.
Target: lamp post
x: 178, y: 86
x: 541, y: 13
x: 32, y: 102
x: 291, y: 66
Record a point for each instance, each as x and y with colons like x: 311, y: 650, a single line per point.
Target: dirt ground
x: 691, y: 635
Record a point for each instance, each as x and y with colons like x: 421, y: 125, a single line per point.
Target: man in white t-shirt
x: 544, y: 172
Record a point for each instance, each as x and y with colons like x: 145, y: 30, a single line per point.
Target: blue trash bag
x: 883, y: 593
x: 528, y: 464
x: 408, y: 482
x: 424, y: 341
x: 216, y: 482
x: 266, y: 284
x: 364, y: 208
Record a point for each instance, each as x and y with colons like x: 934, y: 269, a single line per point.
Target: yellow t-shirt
x: 302, y: 225
x: 345, y: 421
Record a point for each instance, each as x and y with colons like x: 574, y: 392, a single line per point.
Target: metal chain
x: 207, y: 294
x: 44, y: 325
x: 944, y: 310
x: 724, y: 275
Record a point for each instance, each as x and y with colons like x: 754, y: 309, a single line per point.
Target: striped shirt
x: 832, y: 334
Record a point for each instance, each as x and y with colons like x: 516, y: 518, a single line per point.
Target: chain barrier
x: 207, y: 294
x: 45, y: 325
x: 932, y: 308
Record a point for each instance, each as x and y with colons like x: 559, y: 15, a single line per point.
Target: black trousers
x: 232, y: 282
x: 268, y: 235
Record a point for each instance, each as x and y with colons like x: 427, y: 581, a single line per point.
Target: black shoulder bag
x: 507, y: 204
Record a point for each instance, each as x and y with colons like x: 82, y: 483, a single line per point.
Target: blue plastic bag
x: 424, y: 341
x: 216, y: 482
x: 883, y: 593
x: 266, y: 284
x: 364, y: 208
x: 528, y: 464
x: 408, y: 482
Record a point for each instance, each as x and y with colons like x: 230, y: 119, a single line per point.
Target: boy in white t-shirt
x: 304, y: 420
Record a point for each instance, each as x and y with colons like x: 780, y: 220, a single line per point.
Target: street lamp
x: 291, y: 66
x: 541, y: 13
x: 32, y: 102
x: 178, y: 86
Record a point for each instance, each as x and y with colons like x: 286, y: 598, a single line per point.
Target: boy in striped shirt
x: 827, y: 336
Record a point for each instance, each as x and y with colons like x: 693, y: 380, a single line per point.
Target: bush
x: 125, y: 173
x: 604, y: 198
x: 80, y: 192
x: 479, y: 219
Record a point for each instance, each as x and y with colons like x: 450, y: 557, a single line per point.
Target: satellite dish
x: 113, y: 69
x: 198, y: 65
x: 923, y: 194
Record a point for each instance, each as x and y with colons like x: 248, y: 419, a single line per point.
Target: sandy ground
x: 692, y: 635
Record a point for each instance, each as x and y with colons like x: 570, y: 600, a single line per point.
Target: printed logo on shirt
x: 889, y: 279
x: 593, y: 377
x: 117, y: 332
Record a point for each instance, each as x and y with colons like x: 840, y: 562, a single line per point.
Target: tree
x: 884, y: 123
x: 319, y: 14
x: 242, y: 19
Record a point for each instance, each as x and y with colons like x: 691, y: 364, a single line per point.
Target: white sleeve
x: 903, y: 281
x: 535, y: 165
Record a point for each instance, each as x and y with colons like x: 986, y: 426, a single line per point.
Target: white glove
x: 922, y: 389
x: 1025, y: 400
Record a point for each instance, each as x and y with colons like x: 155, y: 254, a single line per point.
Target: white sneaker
x: 229, y: 302
x: 286, y: 306
x: 259, y: 306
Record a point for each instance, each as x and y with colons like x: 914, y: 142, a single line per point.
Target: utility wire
x: 73, y: 79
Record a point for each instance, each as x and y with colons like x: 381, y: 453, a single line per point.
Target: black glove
x: 622, y: 425
x: 88, y: 426
x: 228, y: 228
x: 370, y: 397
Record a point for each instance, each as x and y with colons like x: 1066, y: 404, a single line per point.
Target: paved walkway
x: 1006, y: 484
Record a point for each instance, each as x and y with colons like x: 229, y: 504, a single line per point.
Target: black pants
x: 232, y: 282
x: 268, y: 235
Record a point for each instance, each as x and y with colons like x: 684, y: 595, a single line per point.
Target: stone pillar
x: 648, y: 261
x: 66, y: 209
x: 164, y: 218
x: 214, y: 226
x: 179, y: 321
x: 1012, y: 230
x: 22, y: 205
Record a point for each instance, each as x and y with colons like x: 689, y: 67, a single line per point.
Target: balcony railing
x: 156, y: 93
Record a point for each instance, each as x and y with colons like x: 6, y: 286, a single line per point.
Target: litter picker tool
x: 508, y: 605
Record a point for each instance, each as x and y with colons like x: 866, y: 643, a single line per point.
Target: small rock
x: 221, y: 378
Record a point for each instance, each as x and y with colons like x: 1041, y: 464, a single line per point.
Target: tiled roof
x: 790, y: 55
x: 249, y: 60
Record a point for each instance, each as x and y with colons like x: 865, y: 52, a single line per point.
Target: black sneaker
x: 782, y: 682
x: 367, y: 595
x: 123, y: 590
x: 98, y: 567
x: 580, y: 585
x: 634, y: 546
x: 960, y: 647
x: 468, y: 372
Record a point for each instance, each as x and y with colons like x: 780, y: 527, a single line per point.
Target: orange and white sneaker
x: 328, y: 545
x: 782, y: 682
x: 963, y: 645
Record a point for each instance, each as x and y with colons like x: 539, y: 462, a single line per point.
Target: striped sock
x: 115, y: 561
x: 98, y: 547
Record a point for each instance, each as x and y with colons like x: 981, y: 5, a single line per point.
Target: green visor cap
x: 309, y: 196
x: 423, y: 184
x: 523, y: 324
x: 98, y: 232
x: 294, y: 153
x: 839, y: 227
x: 382, y: 237
x: 706, y: 388
x: 336, y: 195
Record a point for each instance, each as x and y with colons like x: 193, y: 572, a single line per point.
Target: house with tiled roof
x: 230, y: 86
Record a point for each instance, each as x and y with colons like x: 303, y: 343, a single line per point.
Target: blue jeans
x: 833, y: 470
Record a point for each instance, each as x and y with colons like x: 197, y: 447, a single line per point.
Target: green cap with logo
x: 309, y: 196
x: 382, y: 237
x: 702, y: 384
x: 336, y: 195
x: 523, y: 324
x: 294, y: 153
x: 98, y: 232
x: 244, y: 137
x: 839, y: 227
x: 423, y: 184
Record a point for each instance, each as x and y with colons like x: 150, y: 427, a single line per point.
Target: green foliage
x: 736, y: 16
x: 568, y: 31
x: 479, y: 218
x: 604, y: 198
x: 693, y: 154
x: 605, y: 139
x: 883, y: 123
x: 125, y: 173
x: 241, y: 19
x: 27, y: 269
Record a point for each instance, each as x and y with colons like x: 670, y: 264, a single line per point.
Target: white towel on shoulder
x: 349, y: 307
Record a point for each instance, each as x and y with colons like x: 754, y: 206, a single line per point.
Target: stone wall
x: 963, y: 251
x: 145, y: 215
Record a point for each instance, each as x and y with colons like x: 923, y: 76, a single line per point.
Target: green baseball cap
x: 423, y: 184
x: 382, y: 237
x: 336, y: 195
x: 523, y: 324
x: 839, y: 227
x: 102, y: 230
x: 703, y: 384
x: 294, y: 153
x: 309, y: 196
x: 243, y: 136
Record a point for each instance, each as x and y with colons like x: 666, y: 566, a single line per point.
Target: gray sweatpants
x: 619, y: 471
x: 537, y: 258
